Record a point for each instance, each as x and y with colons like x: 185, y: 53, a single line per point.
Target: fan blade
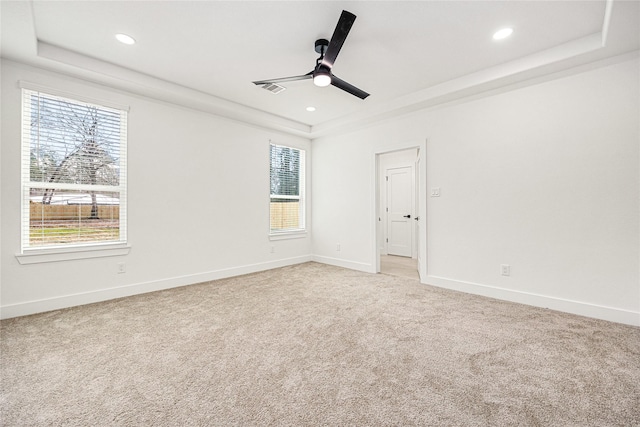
x: 341, y: 84
x: 285, y: 79
x: 337, y: 39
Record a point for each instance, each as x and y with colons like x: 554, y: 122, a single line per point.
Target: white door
x: 400, y: 197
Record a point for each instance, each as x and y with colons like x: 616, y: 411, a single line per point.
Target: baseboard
x: 66, y: 301
x: 568, y: 306
x: 352, y: 265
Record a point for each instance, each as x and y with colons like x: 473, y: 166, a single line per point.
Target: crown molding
x: 546, y: 62
x: 102, y: 72
x: 570, y: 57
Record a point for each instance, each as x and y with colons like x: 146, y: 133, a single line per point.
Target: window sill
x: 69, y: 254
x: 285, y: 235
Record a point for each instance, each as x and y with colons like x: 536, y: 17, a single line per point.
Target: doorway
x: 398, y: 206
x: 399, y: 266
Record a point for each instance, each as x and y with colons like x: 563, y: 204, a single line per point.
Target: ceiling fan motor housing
x: 321, y: 46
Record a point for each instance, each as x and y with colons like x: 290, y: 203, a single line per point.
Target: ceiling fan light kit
x: 322, y: 74
x: 322, y: 77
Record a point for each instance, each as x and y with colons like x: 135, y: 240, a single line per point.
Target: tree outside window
x: 74, y: 180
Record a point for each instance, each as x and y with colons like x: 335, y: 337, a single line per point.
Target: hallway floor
x: 399, y: 266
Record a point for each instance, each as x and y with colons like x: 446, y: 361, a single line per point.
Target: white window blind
x: 287, y: 189
x: 73, y: 172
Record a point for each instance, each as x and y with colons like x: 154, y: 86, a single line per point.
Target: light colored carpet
x: 317, y: 345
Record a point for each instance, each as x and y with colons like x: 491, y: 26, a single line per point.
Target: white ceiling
x: 407, y: 54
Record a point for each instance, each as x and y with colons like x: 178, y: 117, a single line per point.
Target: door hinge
x: 387, y: 178
x: 387, y: 209
x: 387, y: 240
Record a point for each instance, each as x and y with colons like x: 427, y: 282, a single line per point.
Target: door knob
x: 407, y: 216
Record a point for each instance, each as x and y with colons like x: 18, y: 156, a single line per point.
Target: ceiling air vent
x: 273, y: 88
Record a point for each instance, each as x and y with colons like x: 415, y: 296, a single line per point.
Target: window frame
x: 73, y: 250
x: 301, y: 231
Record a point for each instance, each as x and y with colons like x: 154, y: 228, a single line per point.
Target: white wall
x: 198, y: 203
x: 544, y: 178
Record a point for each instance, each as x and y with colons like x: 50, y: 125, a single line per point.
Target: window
x: 287, y: 189
x: 73, y: 173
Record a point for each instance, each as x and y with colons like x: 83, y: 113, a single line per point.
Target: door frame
x: 421, y: 189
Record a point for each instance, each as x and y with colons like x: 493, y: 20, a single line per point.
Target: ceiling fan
x: 328, y: 50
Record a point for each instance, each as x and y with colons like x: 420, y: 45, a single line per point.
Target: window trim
x: 80, y: 250
x: 296, y: 233
x: 286, y: 235
x: 100, y: 250
x: 72, y: 95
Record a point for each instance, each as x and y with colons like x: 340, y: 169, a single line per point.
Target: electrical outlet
x: 435, y: 192
x: 273, y: 249
x: 505, y: 269
x: 338, y: 247
x: 122, y: 267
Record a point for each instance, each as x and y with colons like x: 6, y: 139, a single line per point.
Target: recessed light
x: 311, y: 108
x: 502, y: 34
x: 123, y: 38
